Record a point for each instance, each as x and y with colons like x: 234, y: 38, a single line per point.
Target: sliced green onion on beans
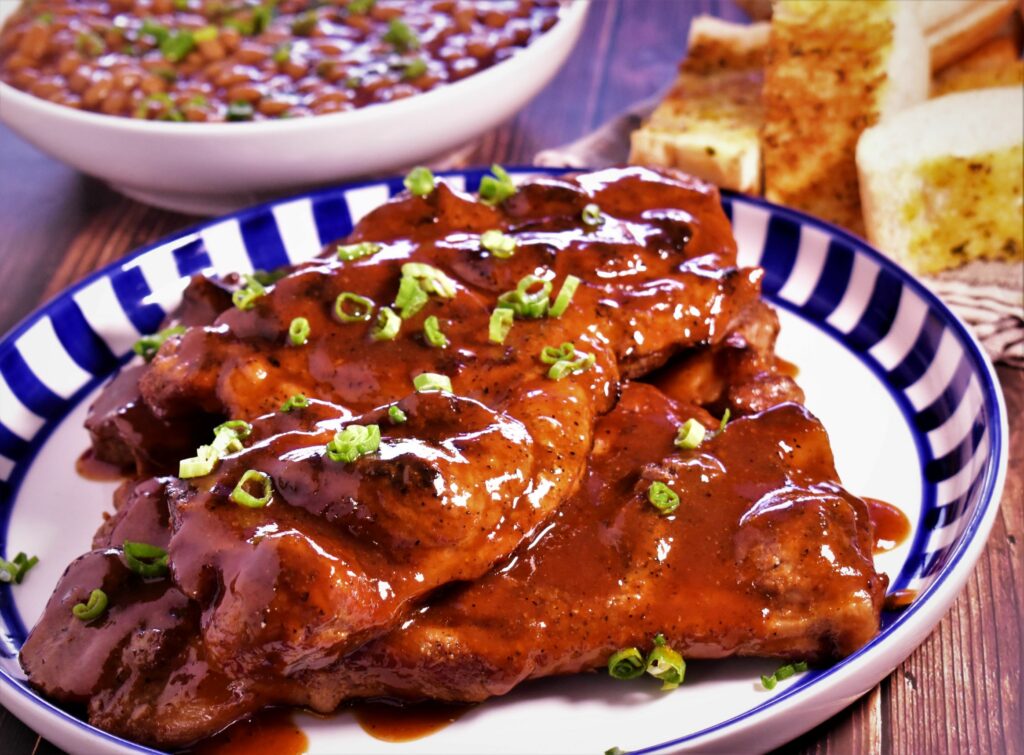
x: 351, y: 442
x: 146, y: 560
x: 253, y: 479
x: 432, y: 332
x: 428, y: 382
x: 298, y: 331
x: 499, y: 244
x: 400, y: 36
x: 93, y: 608
x: 662, y: 497
x: 496, y: 188
x: 691, y: 434
x: 350, y: 307
x: 627, y: 663
x: 387, y: 326
x: 298, y: 401
x: 500, y: 325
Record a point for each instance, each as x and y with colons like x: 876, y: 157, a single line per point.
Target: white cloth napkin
x: 988, y: 296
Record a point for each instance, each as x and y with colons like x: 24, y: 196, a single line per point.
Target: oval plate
x: 911, y: 404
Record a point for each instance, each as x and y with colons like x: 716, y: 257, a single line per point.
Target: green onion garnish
x: 171, y: 112
x: 152, y: 29
x: 433, y: 334
x: 145, y: 560
x: 264, y: 277
x: 304, y: 25
x: 614, y: 751
x: 243, y: 497
x: 349, y: 252
x: 427, y: 382
x: 240, y: 111
x: 396, y: 415
x: 553, y: 354
x: 298, y: 401
x: 400, y: 36
x: 361, y: 307
x: 245, y: 297
x: 282, y: 53
x: 206, y: 34
x: 411, y: 298
x: 420, y: 181
x: 501, y: 324
x: 690, y: 435
x: 387, y: 326
x: 523, y: 302
x: 147, y: 346
x: 627, y: 663
x: 352, y: 442
x: 298, y: 331
x: 498, y: 244
x: 666, y: 664
x: 725, y: 419
x: 564, y: 298
x: 88, y: 43
x: 177, y: 45
x: 92, y: 609
x: 783, y: 672
x: 414, y: 68
x: 227, y: 438
x: 592, y: 216
x: 497, y: 188
x: 14, y: 571
x: 360, y: 7
x: 564, y: 361
x: 662, y: 497
x: 419, y: 280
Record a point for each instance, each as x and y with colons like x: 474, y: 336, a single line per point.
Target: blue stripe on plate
x: 29, y: 389
x: 11, y: 445
x: 948, y: 465
x: 727, y: 208
x: 832, y: 283
x: 81, y: 342
x: 332, y: 218
x: 132, y: 291
x: 263, y: 242
x: 192, y: 258
x: 921, y: 354
x: 780, y: 248
x: 880, y: 313
x: 938, y: 411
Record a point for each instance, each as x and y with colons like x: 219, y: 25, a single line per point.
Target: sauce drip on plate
x: 90, y: 468
x: 900, y: 599
x: 891, y: 526
x: 272, y: 732
x: 391, y: 722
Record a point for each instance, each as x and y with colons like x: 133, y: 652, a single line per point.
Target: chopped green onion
x: 181, y: 4
x: 227, y: 438
x: 298, y: 331
x: 147, y: 346
x: 725, y: 419
x: 427, y: 382
x: 352, y: 442
x: 199, y: 465
x: 171, y: 112
x: 92, y: 609
x: 497, y: 188
x: 690, y: 435
x: 265, y: 277
x: 90, y: 44
x: 240, y: 111
x: 411, y: 298
x: 298, y: 401
x: 388, y: 325
x: 45, y: 18
x: 261, y: 16
x: 662, y: 497
x: 14, y: 571
x: 523, y: 302
x: 282, y: 53
x: 432, y: 280
x: 592, y: 216
x: 238, y: 428
x: 420, y: 181
x: 553, y: 354
x: 400, y: 36
x: 177, y: 45
x: 196, y: 100
x: 614, y: 751
x: 245, y: 297
x: 783, y: 672
x: 362, y: 308
x: 666, y: 665
x: 349, y: 252
x: 564, y: 361
x: 152, y: 29
x: 627, y: 663
x: 564, y: 298
x: 360, y: 7
x: 305, y: 25
x: 500, y: 325
x: 206, y: 34
x: 243, y: 497
x: 414, y: 68
x: 396, y: 415
x: 432, y: 331
x: 145, y: 560
x: 498, y: 244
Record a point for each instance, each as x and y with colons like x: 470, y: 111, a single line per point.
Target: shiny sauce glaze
x: 208, y: 60
x: 394, y: 722
x: 270, y: 732
x: 891, y: 526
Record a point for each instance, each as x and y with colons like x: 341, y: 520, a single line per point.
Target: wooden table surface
x: 959, y: 692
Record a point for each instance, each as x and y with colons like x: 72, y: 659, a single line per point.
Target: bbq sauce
x: 90, y: 468
x: 270, y: 732
x: 392, y: 722
x: 890, y: 525
x: 899, y: 599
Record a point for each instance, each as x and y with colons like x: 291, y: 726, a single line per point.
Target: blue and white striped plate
x: 912, y: 406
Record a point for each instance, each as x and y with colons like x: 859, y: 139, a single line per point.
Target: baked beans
x: 242, y: 60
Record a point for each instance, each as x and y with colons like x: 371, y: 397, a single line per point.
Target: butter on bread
x: 709, y: 123
x: 953, y: 28
x: 825, y: 84
x: 941, y: 182
x: 996, y: 63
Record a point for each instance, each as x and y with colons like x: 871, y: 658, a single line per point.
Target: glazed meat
x: 443, y: 559
x: 767, y: 555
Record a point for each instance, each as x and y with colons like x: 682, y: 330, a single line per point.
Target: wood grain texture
x: 960, y: 692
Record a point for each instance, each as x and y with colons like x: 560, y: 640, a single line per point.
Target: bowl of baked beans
x: 203, y: 106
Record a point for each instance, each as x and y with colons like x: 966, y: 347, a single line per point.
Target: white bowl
x: 213, y: 168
